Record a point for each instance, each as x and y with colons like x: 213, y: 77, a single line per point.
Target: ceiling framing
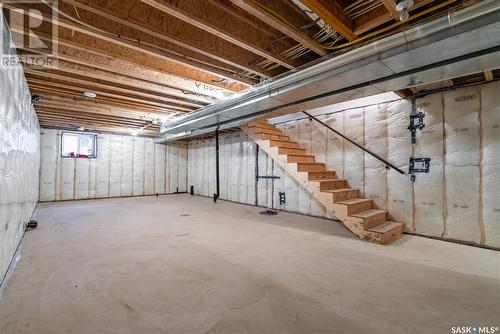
x: 151, y: 60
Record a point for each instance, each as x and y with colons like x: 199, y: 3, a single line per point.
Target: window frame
x: 94, y: 156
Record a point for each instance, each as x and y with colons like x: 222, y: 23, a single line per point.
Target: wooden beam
x: 371, y: 20
x: 169, y: 32
x: 285, y: 25
x: 333, y: 15
x: 390, y: 5
x: 218, y: 20
x: 147, y: 65
x: 75, y: 105
x: 73, y: 70
x: 92, y: 85
x: 42, y: 118
x: 49, y: 113
x: 72, y: 126
x: 82, y: 56
x: 66, y: 114
x: 150, y: 50
x: 107, y: 105
x: 379, y: 16
x: 41, y: 87
x: 54, y: 91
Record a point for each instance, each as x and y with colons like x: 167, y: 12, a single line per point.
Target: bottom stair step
x: 389, y: 231
x: 369, y: 218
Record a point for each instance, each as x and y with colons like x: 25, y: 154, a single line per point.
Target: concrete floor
x: 181, y: 264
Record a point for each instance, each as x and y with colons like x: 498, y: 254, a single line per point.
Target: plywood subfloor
x: 181, y: 264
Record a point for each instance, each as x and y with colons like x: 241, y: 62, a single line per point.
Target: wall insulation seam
x: 125, y: 166
x: 19, y: 155
x: 461, y: 143
x: 445, y: 189
x: 481, y: 180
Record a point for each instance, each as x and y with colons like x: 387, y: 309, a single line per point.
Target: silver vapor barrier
x: 461, y: 43
x: 19, y: 156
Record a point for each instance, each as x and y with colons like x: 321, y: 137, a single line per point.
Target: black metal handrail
x: 387, y: 163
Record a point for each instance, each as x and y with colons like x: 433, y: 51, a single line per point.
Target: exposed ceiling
x: 151, y: 60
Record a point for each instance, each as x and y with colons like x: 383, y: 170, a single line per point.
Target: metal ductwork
x: 460, y: 43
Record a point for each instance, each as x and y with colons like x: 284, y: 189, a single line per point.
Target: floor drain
x: 185, y: 215
x: 268, y: 213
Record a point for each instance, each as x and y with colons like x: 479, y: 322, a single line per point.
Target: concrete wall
x: 19, y: 158
x: 459, y: 199
x: 125, y: 166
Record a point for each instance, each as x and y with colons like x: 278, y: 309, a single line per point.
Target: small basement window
x: 78, y: 145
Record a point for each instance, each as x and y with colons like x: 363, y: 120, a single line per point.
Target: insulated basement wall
x: 237, y: 167
x: 125, y: 166
x: 458, y: 200
x: 238, y: 154
x: 19, y: 158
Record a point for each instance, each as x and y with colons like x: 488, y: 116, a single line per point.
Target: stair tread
x: 385, y: 227
x: 368, y: 213
x: 284, y: 141
x: 354, y: 201
x: 300, y: 155
x: 269, y: 131
x: 338, y: 190
x: 311, y: 163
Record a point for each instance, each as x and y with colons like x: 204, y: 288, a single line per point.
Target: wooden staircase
x: 358, y: 214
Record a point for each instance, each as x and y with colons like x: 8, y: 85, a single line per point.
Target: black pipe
x: 256, y: 174
x: 217, y: 185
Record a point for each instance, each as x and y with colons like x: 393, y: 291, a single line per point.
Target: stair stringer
x: 313, y: 187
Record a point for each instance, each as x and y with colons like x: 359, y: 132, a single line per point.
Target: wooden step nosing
x: 355, y: 201
x: 393, y: 227
x: 373, y: 214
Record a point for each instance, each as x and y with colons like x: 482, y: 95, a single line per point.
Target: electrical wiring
x: 136, y: 41
x: 277, y: 15
x: 390, y: 27
x: 361, y: 39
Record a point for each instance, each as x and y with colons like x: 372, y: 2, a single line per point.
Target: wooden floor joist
x: 168, y: 57
x: 218, y: 20
x: 32, y: 76
x: 192, y: 42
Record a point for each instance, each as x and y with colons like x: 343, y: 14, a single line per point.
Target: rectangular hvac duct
x: 459, y: 44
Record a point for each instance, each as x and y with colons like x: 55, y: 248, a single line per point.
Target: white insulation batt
x: 125, y: 166
x: 237, y: 167
x: 19, y: 159
x: 459, y: 199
